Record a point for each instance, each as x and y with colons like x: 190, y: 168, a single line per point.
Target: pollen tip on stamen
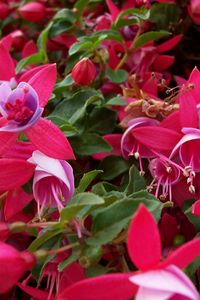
x: 142, y: 173
x: 168, y: 169
x: 137, y: 155
x: 192, y: 189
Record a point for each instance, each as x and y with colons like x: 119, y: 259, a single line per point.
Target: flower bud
x: 33, y: 11
x: 84, y: 72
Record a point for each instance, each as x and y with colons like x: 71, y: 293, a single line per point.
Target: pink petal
x: 170, y: 279
x: 143, y: 242
x: 105, y: 287
x: 25, y: 77
x: 172, y: 122
x: 196, y: 208
x: 14, y: 173
x: 50, y: 140
x: 7, y: 139
x: 188, y: 111
x: 20, y: 149
x: 184, y: 255
x: 194, y: 79
x: 163, y: 62
x: 29, y: 49
x: 15, y: 201
x: 156, y: 137
x: 6, y: 73
x: 35, y: 293
x: 70, y: 275
x: 7, y: 42
x: 114, y: 11
x: 170, y: 44
x: 43, y: 82
x: 150, y: 294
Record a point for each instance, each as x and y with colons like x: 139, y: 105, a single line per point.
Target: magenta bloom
x: 53, y: 182
x: 21, y: 110
x: 20, y: 107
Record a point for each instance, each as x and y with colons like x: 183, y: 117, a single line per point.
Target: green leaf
x: 72, y: 258
x: 42, y: 40
x: 119, y: 101
x: 62, y: 85
x: 113, y: 166
x: 111, y: 220
x: 86, y: 180
x: 47, y: 235
x: 118, y: 76
x: 80, y: 5
x: 64, y: 125
x: 32, y: 59
x: 135, y: 15
x: 89, y: 143
x: 65, y: 14
x: 164, y: 15
x: 80, y: 46
x: 149, y: 37
x: 75, y: 105
x: 101, y: 120
x: 77, y: 203
x: 136, y: 181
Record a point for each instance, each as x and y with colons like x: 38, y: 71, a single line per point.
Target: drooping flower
x: 13, y: 264
x: 166, y: 174
x: 144, y: 248
x: 53, y: 182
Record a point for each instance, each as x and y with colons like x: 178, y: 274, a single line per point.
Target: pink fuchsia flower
x: 165, y: 174
x: 84, y: 72
x: 21, y: 110
x: 144, y: 248
x: 130, y: 145
x: 53, y: 182
x: 20, y: 107
x: 13, y: 264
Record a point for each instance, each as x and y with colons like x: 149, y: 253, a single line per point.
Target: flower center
x: 17, y: 111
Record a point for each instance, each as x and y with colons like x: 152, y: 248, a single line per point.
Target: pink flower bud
x: 33, y: 11
x: 84, y: 72
x: 13, y: 264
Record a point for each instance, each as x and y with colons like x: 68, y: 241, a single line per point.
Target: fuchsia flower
x: 53, y: 182
x: 13, y: 265
x: 20, y: 107
x: 160, y: 280
x: 21, y: 110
